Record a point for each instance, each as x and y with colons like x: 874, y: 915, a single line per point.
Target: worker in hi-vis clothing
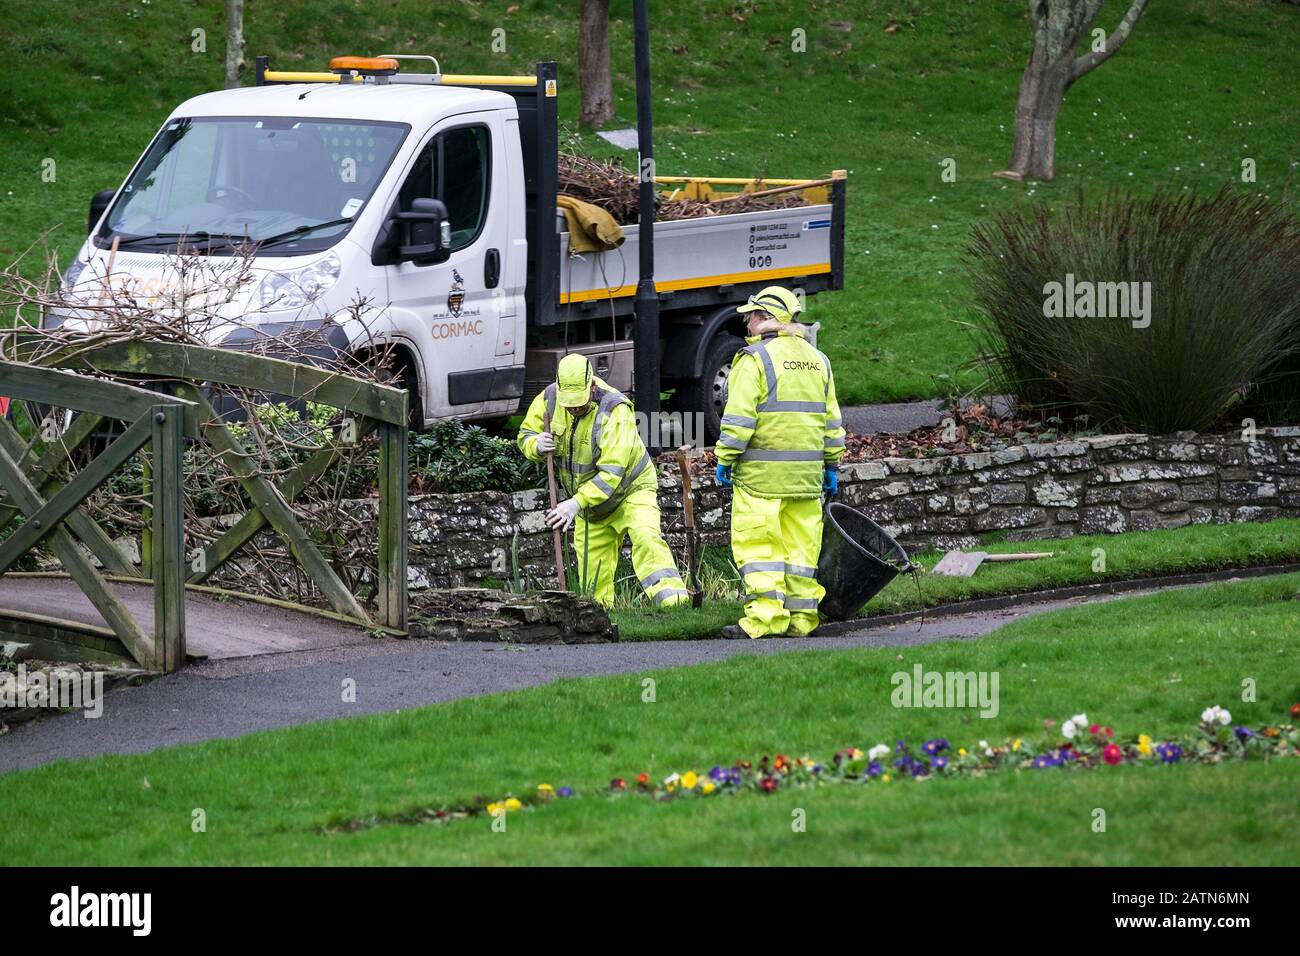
x: 609, y: 477
x: 780, y: 444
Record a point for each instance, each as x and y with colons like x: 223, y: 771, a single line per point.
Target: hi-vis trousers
x: 775, y: 543
x: 597, y: 545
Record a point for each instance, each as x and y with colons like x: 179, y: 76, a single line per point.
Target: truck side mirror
x: 424, y: 233
x: 98, y: 203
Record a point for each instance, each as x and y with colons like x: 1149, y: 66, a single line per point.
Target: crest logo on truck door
x: 456, y: 296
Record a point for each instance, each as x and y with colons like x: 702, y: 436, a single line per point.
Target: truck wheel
x: 707, y: 395
x: 400, y: 373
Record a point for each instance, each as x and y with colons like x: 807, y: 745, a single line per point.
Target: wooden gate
x: 53, y: 510
x: 189, y: 372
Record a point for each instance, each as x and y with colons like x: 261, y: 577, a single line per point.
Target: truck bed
x: 707, y: 255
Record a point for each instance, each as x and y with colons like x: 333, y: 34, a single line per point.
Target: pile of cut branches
x: 609, y: 185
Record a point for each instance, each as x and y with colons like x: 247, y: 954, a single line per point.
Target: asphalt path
x: 236, y: 696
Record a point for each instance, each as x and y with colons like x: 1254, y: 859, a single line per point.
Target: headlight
x: 73, y: 273
x: 293, y: 290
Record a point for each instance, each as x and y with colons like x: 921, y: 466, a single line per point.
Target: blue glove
x: 831, y: 482
x: 723, y: 474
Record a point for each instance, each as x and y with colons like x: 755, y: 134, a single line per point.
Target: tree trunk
x: 1042, y: 89
x: 234, y: 42
x: 1059, y: 26
x: 593, y: 64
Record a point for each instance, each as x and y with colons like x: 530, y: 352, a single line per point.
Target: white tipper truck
x: 430, y: 198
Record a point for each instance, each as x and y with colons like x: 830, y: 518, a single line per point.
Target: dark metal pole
x: 645, y: 340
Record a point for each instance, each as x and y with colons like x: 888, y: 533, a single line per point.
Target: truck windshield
x: 227, y: 181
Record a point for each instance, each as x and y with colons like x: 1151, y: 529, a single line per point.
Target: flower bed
x: 1080, y: 745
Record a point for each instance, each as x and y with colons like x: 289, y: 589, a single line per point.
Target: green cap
x: 776, y: 300
x: 573, y: 380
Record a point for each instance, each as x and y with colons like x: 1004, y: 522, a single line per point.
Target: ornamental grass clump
x: 1154, y: 314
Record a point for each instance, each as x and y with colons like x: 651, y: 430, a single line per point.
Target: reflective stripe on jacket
x: 600, y: 457
x: 781, y: 426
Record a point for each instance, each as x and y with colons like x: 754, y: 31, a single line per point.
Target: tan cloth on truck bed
x: 591, y: 229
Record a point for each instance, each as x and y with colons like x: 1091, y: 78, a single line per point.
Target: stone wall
x: 1106, y: 484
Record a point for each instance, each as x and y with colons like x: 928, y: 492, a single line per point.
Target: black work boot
x: 734, y: 632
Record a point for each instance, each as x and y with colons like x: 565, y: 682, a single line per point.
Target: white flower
x: 1080, y: 720
x: 876, y: 752
x: 988, y: 751
x: 1216, y: 715
x: 1068, y: 729
x: 671, y: 779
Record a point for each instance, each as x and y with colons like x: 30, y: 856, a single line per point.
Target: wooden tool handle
x: 688, y: 500
x: 1019, y: 556
x: 810, y: 184
x: 556, y: 537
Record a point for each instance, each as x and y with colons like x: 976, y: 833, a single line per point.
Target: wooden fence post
x: 168, y: 537
x: 393, y: 477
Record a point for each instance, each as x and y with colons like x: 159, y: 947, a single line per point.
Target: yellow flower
x: 1015, y: 745
x: 961, y: 751
x: 1144, y: 744
x: 856, y: 753
x: 689, y: 780
x: 494, y: 809
x: 708, y: 788
x: 885, y: 778
x: 514, y: 804
x: 545, y: 788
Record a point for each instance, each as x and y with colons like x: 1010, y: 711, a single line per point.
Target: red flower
x: 643, y: 779
x: 1049, y: 722
x: 768, y: 784
x: 1112, y: 754
x: 1094, y: 729
x: 618, y: 783
x: 1109, y: 732
x: 1295, y: 710
x: 781, y: 762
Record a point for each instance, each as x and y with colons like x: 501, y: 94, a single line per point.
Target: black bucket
x: 858, y: 559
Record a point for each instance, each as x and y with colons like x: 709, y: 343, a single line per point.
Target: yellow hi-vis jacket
x: 781, y: 426
x: 599, y: 458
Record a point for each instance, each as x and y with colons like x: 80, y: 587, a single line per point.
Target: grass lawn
x: 1134, y: 554
x: 1140, y: 665
x: 1201, y: 86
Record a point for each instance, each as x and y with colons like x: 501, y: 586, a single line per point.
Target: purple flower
x: 817, y: 768
x: 874, y: 769
x: 1169, y: 753
x: 939, y: 763
x: 900, y: 746
x: 718, y: 775
x: 564, y: 792
x: 919, y: 769
x: 935, y: 746
x: 1244, y: 734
